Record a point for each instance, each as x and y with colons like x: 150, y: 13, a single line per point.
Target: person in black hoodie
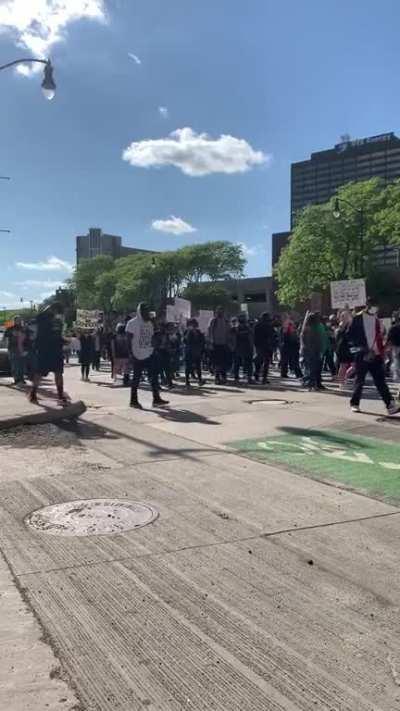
x: 243, y: 341
x: 194, y: 348
x: 264, y: 343
x: 86, y: 353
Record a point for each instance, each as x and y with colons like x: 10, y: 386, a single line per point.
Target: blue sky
x: 276, y: 79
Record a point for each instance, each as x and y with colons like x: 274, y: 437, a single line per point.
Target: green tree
x: 324, y: 249
x: 387, y: 220
x: 137, y: 278
x: 207, y: 296
x: 92, y: 286
x: 121, y: 284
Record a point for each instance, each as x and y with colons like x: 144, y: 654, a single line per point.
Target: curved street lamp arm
x: 350, y: 204
x: 23, y: 61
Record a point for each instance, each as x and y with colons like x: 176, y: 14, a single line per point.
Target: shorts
x: 49, y: 364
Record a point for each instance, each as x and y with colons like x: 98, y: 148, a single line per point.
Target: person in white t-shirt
x: 140, y: 332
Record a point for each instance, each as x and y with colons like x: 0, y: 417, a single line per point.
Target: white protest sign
x: 86, y: 318
x: 183, y: 308
x: 170, y: 314
x: 179, y: 311
x: 350, y: 292
x: 204, y: 319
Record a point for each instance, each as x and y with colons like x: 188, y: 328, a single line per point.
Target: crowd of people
x: 347, y: 346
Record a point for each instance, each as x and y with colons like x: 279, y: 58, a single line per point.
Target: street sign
x: 348, y: 293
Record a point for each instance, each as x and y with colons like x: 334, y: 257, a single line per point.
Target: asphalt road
x: 255, y: 588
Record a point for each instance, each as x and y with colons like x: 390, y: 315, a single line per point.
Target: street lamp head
x: 48, y: 83
x: 336, y: 209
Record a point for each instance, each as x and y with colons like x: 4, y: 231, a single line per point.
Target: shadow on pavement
x: 337, y: 439
x: 184, y: 416
x: 91, y: 431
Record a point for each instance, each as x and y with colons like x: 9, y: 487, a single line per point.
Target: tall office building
x: 96, y: 243
x: 315, y: 180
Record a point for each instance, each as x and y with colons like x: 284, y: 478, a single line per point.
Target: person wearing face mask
x: 366, y: 344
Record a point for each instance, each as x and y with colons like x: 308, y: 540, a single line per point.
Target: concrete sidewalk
x: 15, y: 408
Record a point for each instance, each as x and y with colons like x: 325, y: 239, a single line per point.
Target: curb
x: 75, y: 409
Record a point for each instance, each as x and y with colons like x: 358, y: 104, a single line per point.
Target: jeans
x: 220, y: 361
x: 85, y: 370
x: 139, y: 366
x: 96, y: 360
x: 164, y: 367
x: 396, y: 363
x: 246, y: 361
x: 290, y: 359
x: 192, y: 363
x: 262, y: 361
x: 17, y: 363
x: 312, y: 370
x: 329, y: 362
x: 376, y: 368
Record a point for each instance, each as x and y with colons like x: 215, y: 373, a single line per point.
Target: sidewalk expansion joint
x: 203, y: 546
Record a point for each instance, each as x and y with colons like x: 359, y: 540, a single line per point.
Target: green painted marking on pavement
x: 365, y: 464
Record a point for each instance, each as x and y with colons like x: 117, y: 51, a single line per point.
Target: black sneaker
x: 159, y: 402
x: 136, y: 405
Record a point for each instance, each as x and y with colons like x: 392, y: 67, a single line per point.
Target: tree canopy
x: 107, y: 284
x: 324, y: 248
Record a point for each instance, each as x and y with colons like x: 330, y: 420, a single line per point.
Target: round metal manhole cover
x: 91, y: 517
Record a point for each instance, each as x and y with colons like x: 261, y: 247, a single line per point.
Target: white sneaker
x: 393, y: 409
x: 355, y: 408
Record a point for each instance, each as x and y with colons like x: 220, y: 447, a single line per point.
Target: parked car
x: 5, y: 369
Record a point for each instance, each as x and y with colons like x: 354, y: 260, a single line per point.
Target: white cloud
x: 38, y: 284
x: 37, y: 25
x: 174, y: 226
x: 134, y: 57
x: 163, y: 111
x: 250, y: 250
x: 195, y: 154
x: 7, y: 295
x: 52, y: 264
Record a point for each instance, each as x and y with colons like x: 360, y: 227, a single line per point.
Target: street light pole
x: 48, y: 83
x: 360, y: 212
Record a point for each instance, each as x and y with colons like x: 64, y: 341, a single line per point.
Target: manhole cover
x: 270, y: 401
x: 91, y: 517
